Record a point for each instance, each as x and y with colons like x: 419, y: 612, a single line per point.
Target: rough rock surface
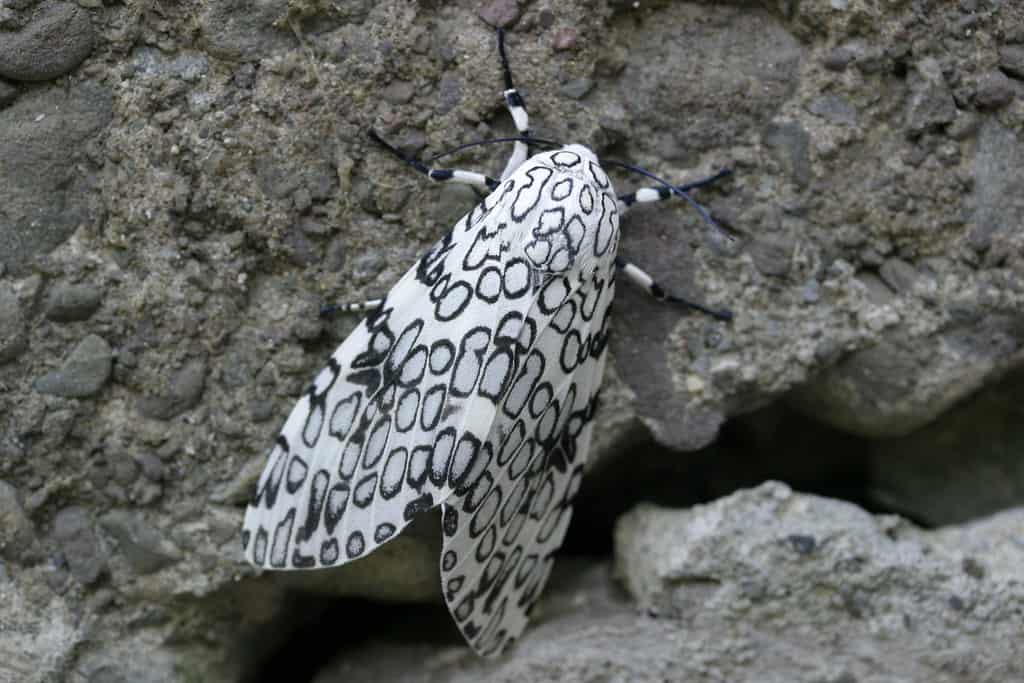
x: 189, y: 184
x: 763, y: 585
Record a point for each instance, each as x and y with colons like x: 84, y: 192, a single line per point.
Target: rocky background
x: 182, y: 184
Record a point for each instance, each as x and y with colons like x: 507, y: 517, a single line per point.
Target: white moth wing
x: 387, y: 428
x: 503, y: 526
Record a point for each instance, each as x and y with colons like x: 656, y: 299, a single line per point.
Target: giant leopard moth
x: 471, y: 385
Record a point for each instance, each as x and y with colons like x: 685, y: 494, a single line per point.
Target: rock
x: 791, y: 143
x: 899, y: 275
x: 772, y: 254
x: 930, y: 104
x: 68, y: 302
x: 184, y: 390
x: 76, y: 539
x: 240, y: 31
x: 47, y: 191
x: 499, y: 13
x: 84, y: 373
x: 838, y: 59
x: 1011, y: 60
x: 17, y: 533
x: 398, y: 92
x: 42, y: 633
x: 145, y: 548
x: 13, y: 333
x: 449, y: 92
x: 565, y: 39
x: 577, y: 88
x: 834, y: 109
x: 998, y: 192
x: 724, y: 586
x: 738, y: 569
x: 55, y: 41
x: 994, y: 90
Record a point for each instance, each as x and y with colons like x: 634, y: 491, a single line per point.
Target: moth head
x: 564, y: 209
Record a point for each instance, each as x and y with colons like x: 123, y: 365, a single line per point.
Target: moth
x: 471, y: 385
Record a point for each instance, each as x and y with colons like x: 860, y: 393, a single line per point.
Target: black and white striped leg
x: 440, y: 175
x: 638, y: 276
x: 656, y: 194
x: 517, y: 108
x: 359, y: 307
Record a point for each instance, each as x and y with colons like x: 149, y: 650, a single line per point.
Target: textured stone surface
x: 206, y: 170
x: 44, y: 159
x: 764, y: 585
x: 55, y: 40
x: 84, y: 372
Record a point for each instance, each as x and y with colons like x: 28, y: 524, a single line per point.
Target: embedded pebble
x: 145, y: 548
x: 68, y: 302
x: 84, y: 372
x: 994, y: 90
x: 1011, y: 60
x: 76, y: 538
x: 499, y: 13
x: 16, y: 530
x: 54, y: 42
x: 577, y: 88
x: 565, y: 38
x: 13, y: 335
x: 184, y: 391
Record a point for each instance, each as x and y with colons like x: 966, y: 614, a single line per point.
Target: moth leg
x: 440, y: 175
x: 517, y: 108
x: 656, y: 194
x: 639, y: 277
x: 357, y: 307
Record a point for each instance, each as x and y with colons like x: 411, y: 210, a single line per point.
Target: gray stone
x: 998, y: 193
x: 834, y: 109
x: 870, y: 392
x: 930, y: 105
x: 994, y: 90
x: 449, y: 92
x: 791, y: 144
x: 772, y: 254
x: 577, y: 88
x: 499, y: 13
x: 47, y: 188
x: 899, y: 275
x: 242, y: 30
x: 1011, y: 60
x: 17, y: 533
x: 838, y: 59
x: 145, y: 548
x: 765, y: 585
x: 84, y: 373
x: 71, y: 302
x: 76, y: 539
x: 55, y: 41
x: 829, y: 584
x: 398, y: 92
x: 670, y: 101
x: 13, y: 333
x: 184, y: 390
x: 42, y: 633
